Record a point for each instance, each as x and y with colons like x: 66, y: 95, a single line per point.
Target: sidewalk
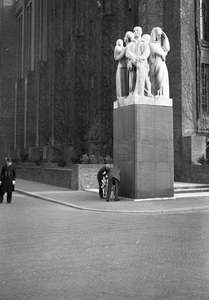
x: 187, y: 201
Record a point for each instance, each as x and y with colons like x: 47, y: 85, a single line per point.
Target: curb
x: 145, y: 212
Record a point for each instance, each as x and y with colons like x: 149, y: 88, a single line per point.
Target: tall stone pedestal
x: 143, y: 147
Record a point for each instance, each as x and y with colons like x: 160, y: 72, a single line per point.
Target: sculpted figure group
x: 142, y: 69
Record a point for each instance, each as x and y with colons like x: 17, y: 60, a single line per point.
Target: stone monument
x: 143, y: 120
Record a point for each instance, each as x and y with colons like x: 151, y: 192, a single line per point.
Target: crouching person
x: 103, y: 171
x: 113, y: 179
x: 7, y: 180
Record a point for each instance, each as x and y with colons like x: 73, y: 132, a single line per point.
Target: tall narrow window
x: 30, y: 35
x: 59, y: 24
x: 20, y: 45
x: 42, y: 12
x: 29, y: 40
x: 80, y: 12
x: 205, y: 87
x: 204, y: 20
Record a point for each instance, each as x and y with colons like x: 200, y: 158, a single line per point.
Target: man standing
x: 113, y: 178
x: 7, y: 180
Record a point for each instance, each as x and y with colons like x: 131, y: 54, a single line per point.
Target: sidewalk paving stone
x: 89, y: 200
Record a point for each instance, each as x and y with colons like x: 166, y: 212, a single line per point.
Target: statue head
x: 137, y: 32
x: 119, y: 42
x: 129, y: 36
x: 146, y: 37
x: 156, y: 34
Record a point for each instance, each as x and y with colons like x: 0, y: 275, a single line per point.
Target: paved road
x: 53, y: 252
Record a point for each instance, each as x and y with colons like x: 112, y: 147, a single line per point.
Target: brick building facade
x: 57, y: 82
x: 7, y: 75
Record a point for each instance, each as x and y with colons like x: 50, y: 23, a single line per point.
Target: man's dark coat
x: 7, y: 175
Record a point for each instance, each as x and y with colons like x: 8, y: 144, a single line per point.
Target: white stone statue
x: 137, y: 52
x: 122, y: 75
x: 159, y: 47
x: 119, y: 46
x: 146, y: 37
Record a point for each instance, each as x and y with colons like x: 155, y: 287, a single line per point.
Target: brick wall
x: 56, y: 176
x: 77, y: 177
x: 32, y: 112
x: 80, y: 56
x: 87, y: 175
x: 7, y: 75
x: 197, y: 173
x: 79, y: 74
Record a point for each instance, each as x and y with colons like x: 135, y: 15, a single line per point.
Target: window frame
x: 20, y: 45
x: 204, y: 20
x: 205, y: 87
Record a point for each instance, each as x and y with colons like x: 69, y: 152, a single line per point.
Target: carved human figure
x: 159, y: 47
x: 121, y: 70
x: 129, y: 37
x: 137, y: 52
x: 122, y: 76
x: 146, y: 37
x: 119, y: 46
